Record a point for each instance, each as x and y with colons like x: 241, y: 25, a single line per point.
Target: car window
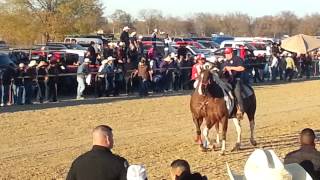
x: 227, y: 45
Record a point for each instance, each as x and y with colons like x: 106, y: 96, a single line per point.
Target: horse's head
x: 205, y: 77
x: 207, y: 82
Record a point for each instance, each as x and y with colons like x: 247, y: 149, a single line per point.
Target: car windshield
x: 259, y: 46
x: 250, y: 47
x: 75, y: 46
x: 195, y: 49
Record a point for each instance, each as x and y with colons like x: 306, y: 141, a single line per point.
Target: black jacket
x: 124, y: 37
x: 98, y: 164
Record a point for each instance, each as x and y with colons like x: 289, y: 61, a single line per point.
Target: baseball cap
x: 228, y: 51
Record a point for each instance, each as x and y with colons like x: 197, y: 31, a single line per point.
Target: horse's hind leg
x: 237, y: 124
x: 252, y: 125
x: 224, y: 134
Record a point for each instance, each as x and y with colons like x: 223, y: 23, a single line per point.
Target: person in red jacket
x: 242, y: 52
x: 196, y: 68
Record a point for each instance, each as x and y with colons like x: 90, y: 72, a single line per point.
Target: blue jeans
x: 5, y: 90
x: 81, y: 86
x: 143, y: 87
x: 19, y: 92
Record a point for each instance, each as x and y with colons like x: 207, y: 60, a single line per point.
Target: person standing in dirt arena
x: 307, y: 156
x: 99, y: 163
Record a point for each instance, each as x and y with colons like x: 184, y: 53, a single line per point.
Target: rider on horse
x: 196, y: 69
x: 233, y: 68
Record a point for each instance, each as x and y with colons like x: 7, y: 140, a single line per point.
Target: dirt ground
x: 42, y: 143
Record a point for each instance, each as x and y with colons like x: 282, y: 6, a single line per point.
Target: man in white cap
x: 30, y: 81
x: 19, y: 90
x: 154, y: 38
x: 82, y: 71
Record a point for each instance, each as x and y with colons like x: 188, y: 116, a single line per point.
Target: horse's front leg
x: 237, y: 124
x: 198, y: 121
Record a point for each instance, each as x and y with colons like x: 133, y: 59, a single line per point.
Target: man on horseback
x: 233, y: 69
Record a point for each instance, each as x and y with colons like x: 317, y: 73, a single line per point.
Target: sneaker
x: 1, y: 104
x: 80, y: 98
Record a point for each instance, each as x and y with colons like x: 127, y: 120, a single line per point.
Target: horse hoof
x: 222, y: 153
x: 236, y: 147
x: 253, y: 142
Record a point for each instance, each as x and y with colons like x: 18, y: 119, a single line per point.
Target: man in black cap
x: 307, y: 156
x: 99, y: 163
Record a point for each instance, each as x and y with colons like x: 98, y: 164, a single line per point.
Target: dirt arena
x: 42, y: 143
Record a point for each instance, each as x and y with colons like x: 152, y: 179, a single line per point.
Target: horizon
x: 169, y: 7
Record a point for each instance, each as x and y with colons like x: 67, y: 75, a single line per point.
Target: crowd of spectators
x: 101, y: 163
x: 127, y: 67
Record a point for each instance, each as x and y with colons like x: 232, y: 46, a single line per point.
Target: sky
x: 185, y: 8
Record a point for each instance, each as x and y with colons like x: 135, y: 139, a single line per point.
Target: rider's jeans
x: 237, y: 92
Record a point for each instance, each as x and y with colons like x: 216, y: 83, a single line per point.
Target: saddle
x: 229, y: 96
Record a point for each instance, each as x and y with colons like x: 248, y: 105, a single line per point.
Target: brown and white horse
x: 208, y: 105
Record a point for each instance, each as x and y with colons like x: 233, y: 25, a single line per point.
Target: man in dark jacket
x: 53, y: 71
x: 307, y: 156
x: 124, y: 37
x: 19, y: 89
x: 99, y: 163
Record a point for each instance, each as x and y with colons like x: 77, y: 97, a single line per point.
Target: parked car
x: 3, y: 45
x: 209, y: 45
x: 70, y: 48
x: 219, y: 39
x: 5, y: 63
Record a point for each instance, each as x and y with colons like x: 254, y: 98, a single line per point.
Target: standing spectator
x: 182, y: 50
x: 166, y: 70
x: 53, y: 71
x: 7, y: 79
x: 167, y: 42
x: 42, y: 78
x: 290, y: 67
x: 99, y: 163
x: 124, y: 37
x: 92, y: 53
x: 133, y: 55
x: 144, y: 76
x: 140, y: 47
x: 30, y: 81
x: 180, y: 170
x: 101, y: 79
x: 307, y: 156
x: 110, y: 76
x: 274, y: 67
x: 82, y: 71
x: 19, y: 90
x: 154, y: 38
x: 308, y: 65
x: 282, y: 66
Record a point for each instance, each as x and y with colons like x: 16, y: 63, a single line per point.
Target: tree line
x: 26, y: 22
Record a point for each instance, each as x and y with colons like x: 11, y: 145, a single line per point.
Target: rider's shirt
x: 195, y: 71
x: 234, y: 62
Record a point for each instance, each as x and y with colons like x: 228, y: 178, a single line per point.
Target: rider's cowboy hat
x: 265, y: 165
x: 32, y: 63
